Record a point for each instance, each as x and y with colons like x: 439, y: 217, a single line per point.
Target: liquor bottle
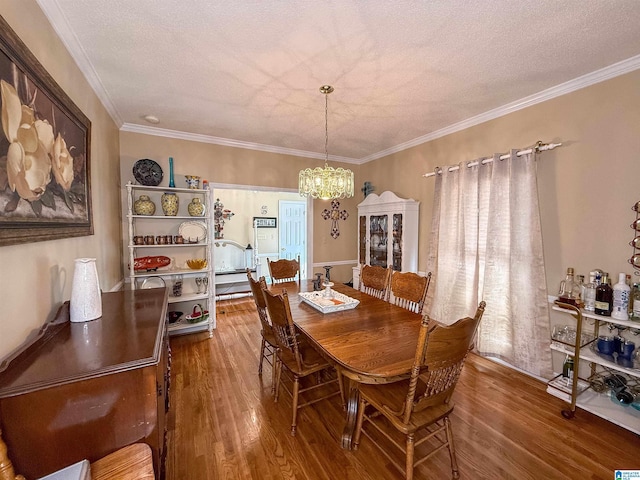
x: 604, y: 297
x: 636, y: 301
x: 595, y: 276
x: 567, y: 368
x: 569, y: 291
x: 581, y: 289
x: 590, y: 296
x: 581, y: 285
x: 620, y: 310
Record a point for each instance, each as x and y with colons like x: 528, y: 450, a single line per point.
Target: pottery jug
x: 193, y: 181
x: 144, y: 206
x: 170, y: 203
x: 86, y: 299
x: 196, y: 208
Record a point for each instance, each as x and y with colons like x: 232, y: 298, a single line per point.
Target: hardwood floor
x: 223, y: 423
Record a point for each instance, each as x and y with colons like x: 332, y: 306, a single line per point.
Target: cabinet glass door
x: 362, y: 237
x: 397, y: 241
x: 378, y: 231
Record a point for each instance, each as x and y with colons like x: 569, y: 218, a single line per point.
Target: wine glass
x: 199, y: 284
x: 205, y: 283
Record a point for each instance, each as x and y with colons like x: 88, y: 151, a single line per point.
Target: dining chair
x: 284, y: 270
x: 409, y: 290
x: 299, y: 360
x: 268, y: 345
x: 419, y: 407
x: 374, y: 280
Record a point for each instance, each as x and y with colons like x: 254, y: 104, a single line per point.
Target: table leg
x: 352, y: 414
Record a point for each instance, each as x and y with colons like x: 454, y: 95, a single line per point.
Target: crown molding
x: 59, y: 22
x: 592, y: 78
x: 227, y: 142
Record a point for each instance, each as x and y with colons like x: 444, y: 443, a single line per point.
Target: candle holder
x: 328, y: 293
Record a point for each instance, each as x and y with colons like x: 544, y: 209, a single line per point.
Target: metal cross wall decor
x: 335, y: 214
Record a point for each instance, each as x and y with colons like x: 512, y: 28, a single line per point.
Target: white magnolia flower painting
x: 44, y: 152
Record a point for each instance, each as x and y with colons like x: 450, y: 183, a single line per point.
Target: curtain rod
x: 539, y: 147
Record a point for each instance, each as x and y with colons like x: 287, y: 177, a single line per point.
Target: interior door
x: 292, y: 238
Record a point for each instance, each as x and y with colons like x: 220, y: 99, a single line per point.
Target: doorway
x: 292, y: 234
x: 280, y: 207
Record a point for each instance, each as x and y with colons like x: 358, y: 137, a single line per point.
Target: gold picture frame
x: 45, y: 190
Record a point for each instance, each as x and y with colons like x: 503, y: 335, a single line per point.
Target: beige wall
x: 242, y: 167
x: 586, y: 187
x: 36, y: 277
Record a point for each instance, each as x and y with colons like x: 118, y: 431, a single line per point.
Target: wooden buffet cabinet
x: 83, y: 390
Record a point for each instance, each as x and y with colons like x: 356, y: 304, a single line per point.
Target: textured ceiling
x: 248, y: 72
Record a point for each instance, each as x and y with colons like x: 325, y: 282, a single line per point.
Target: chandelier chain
x: 328, y: 182
x: 326, y: 128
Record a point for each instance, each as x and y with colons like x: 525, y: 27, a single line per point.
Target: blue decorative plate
x: 147, y: 172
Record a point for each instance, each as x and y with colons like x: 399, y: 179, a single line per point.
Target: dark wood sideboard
x: 83, y: 390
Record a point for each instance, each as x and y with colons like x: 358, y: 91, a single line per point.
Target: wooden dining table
x: 372, y: 343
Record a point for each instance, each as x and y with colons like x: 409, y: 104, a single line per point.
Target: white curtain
x: 487, y: 245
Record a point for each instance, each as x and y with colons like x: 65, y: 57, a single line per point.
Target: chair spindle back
x: 284, y: 270
x: 440, y: 355
x: 282, y: 322
x: 409, y: 290
x: 374, y: 281
x: 258, y: 298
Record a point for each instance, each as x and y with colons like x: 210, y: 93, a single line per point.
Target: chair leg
x: 263, y: 345
x: 274, y: 360
x: 278, y: 374
x: 294, y: 401
x: 362, y: 404
x: 452, y: 449
x: 409, y: 465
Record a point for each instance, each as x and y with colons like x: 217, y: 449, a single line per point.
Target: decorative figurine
x: 367, y: 188
x: 220, y: 215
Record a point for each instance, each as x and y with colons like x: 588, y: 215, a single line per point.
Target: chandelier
x: 328, y: 182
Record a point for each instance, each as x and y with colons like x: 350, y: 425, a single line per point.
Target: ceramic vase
x: 144, y: 206
x: 86, y: 299
x: 170, y: 203
x: 193, y: 181
x: 196, y: 208
x: 171, y: 182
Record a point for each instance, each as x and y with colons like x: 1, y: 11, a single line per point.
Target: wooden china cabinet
x: 83, y: 390
x: 387, y: 233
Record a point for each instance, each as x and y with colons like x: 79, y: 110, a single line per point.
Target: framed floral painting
x: 45, y: 190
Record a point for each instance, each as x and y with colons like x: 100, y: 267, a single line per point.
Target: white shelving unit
x: 597, y: 403
x: 387, y: 233
x: 159, y: 224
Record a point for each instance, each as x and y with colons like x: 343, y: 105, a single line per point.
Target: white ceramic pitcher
x: 86, y: 300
